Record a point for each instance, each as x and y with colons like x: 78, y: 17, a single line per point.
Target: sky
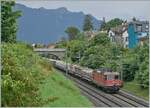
x: 98, y: 8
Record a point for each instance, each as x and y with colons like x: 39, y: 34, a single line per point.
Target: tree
x: 20, y: 76
x: 75, y: 49
x: 129, y: 70
x: 72, y: 32
x: 93, y: 57
x: 134, y: 19
x: 9, y: 26
x: 112, y: 23
x: 100, y: 38
x: 87, y: 25
x: 97, y: 52
x: 63, y: 39
x: 142, y: 75
x: 103, y: 24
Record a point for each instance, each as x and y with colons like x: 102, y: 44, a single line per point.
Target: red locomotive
x: 107, y: 79
x: 104, y: 78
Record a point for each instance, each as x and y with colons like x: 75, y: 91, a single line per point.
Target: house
x: 119, y: 35
x: 125, y: 39
x: 138, y: 32
x: 91, y: 34
x: 33, y: 45
x: 51, y: 45
x: 130, y: 34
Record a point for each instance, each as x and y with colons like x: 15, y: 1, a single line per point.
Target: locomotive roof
x: 106, y: 71
x: 87, y: 70
x: 103, y: 70
x: 111, y: 73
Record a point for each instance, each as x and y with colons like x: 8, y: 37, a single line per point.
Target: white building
x: 119, y: 35
x: 111, y: 35
x: 125, y: 39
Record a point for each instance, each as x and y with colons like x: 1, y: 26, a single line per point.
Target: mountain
x: 40, y: 25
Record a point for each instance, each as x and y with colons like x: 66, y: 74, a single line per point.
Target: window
x: 147, y: 26
x: 116, y: 77
x: 110, y: 34
x: 138, y: 28
x: 110, y: 77
x: 126, y: 39
x: 105, y: 77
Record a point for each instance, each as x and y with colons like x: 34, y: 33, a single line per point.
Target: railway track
x: 133, y: 98
x: 101, y: 99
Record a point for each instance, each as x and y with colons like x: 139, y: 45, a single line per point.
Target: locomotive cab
x: 112, y: 81
x: 107, y: 79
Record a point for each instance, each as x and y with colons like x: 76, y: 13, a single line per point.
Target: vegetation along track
x: 102, y: 99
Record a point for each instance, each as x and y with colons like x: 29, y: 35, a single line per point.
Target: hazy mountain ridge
x: 47, y: 25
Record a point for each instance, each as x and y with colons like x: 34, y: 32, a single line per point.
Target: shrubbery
x: 142, y: 75
x: 21, y: 74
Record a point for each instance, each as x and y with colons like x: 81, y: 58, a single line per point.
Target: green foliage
x: 72, y: 32
x: 87, y: 25
x: 80, y: 36
x: 100, y: 39
x: 129, y: 70
x: 64, y: 43
x: 61, y: 44
x: 101, y: 53
x: 75, y: 49
x: 142, y: 74
x: 21, y: 75
x: 93, y: 57
x: 129, y: 65
x: 112, y: 23
x: 95, y: 53
x: 135, y: 65
x: 8, y: 21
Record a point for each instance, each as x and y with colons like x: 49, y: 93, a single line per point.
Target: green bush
x: 20, y: 76
x: 129, y: 71
x: 142, y: 75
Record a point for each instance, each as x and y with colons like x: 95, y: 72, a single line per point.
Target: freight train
x: 104, y: 78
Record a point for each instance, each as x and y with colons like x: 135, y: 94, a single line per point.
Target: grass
x: 136, y: 90
x: 61, y: 92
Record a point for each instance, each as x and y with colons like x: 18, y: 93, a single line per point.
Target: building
x: 51, y: 46
x: 91, y: 34
x: 130, y: 34
x: 125, y: 39
x: 119, y: 35
x: 138, y: 32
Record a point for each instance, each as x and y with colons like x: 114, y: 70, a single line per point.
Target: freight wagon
x: 105, y: 78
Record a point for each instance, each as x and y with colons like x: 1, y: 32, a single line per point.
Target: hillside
x: 59, y: 91
x: 29, y: 80
x: 47, y: 25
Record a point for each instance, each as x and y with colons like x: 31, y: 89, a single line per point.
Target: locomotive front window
x: 105, y: 77
x: 110, y: 77
x: 116, y: 76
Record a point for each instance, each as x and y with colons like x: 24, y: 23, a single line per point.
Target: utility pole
x: 79, y: 55
x: 66, y: 61
x: 120, y: 66
x: 121, y: 59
